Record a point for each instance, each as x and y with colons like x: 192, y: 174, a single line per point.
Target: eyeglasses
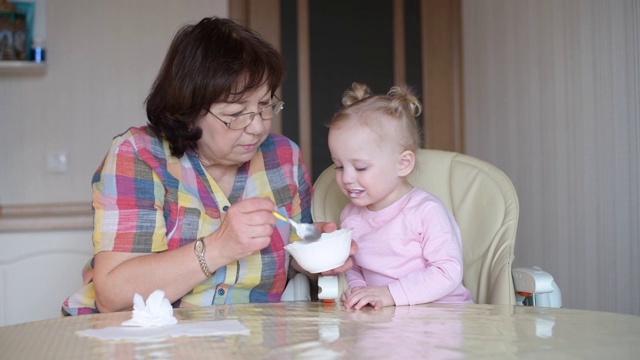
x: 243, y: 120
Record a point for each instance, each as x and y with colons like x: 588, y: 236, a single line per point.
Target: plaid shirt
x: 146, y: 200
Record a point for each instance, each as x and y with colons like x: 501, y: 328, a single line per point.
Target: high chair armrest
x: 536, y: 287
x: 532, y: 280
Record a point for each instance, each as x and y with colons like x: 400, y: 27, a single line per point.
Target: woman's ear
x: 406, y: 163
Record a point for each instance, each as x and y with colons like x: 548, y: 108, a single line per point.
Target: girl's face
x: 370, y: 170
x: 220, y: 145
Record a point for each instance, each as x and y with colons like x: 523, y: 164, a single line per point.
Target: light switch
x: 58, y: 161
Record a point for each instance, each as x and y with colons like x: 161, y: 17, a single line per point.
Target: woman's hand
x: 246, y: 228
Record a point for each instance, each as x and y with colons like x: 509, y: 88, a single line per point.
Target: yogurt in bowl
x: 329, y: 252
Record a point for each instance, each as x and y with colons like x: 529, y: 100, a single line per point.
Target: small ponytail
x: 403, y: 100
x: 356, y: 93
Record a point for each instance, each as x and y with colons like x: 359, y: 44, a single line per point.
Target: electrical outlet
x: 58, y: 161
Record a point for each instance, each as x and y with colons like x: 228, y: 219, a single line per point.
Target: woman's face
x: 220, y: 145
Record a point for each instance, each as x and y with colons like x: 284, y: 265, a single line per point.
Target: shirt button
x: 220, y: 292
x: 225, y: 208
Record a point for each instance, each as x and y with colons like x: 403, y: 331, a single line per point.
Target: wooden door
x: 329, y: 44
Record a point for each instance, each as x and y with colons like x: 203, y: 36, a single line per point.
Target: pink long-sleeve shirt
x: 412, y: 246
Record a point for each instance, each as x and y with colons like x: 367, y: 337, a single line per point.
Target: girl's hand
x: 360, y: 296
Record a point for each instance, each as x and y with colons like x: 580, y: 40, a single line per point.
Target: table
x: 327, y: 331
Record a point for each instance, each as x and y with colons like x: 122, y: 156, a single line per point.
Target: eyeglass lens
x: 266, y: 113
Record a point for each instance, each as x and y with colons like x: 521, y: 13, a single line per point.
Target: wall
x: 101, y: 61
x: 551, y: 94
x: 102, y: 57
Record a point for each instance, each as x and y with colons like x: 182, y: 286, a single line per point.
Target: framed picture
x: 16, y: 30
x: 23, y: 29
x: 7, y: 21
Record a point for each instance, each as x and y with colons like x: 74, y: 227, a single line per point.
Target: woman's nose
x: 256, y: 126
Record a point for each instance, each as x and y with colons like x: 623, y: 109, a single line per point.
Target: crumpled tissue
x: 157, y: 311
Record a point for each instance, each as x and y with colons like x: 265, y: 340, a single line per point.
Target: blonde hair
x: 399, y: 103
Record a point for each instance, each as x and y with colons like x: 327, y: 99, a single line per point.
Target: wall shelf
x: 10, y: 67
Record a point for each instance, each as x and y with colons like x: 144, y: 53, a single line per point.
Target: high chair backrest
x: 481, y: 198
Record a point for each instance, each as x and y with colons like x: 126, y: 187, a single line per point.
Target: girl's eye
x: 361, y: 169
x: 338, y: 167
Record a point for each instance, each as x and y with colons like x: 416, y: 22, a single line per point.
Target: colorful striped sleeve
x: 129, y: 199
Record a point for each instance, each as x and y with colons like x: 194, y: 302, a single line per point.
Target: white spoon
x: 306, y: 232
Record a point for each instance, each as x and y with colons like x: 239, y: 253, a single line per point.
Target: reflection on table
x: 316, y: 330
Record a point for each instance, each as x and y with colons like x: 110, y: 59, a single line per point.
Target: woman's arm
x: 246, y: 229
x: 118, y: 276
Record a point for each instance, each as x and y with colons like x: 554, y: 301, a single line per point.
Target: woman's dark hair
x: 215, y: 60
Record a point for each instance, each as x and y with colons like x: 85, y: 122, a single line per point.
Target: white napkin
x: 146, y: 334
x: 156, y: 312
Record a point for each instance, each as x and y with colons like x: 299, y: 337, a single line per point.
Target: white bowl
x: 329, y: 252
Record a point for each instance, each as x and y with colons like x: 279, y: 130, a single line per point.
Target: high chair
x: 484, y: 203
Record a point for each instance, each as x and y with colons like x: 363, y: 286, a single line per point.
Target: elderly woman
x: 186, y: 203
